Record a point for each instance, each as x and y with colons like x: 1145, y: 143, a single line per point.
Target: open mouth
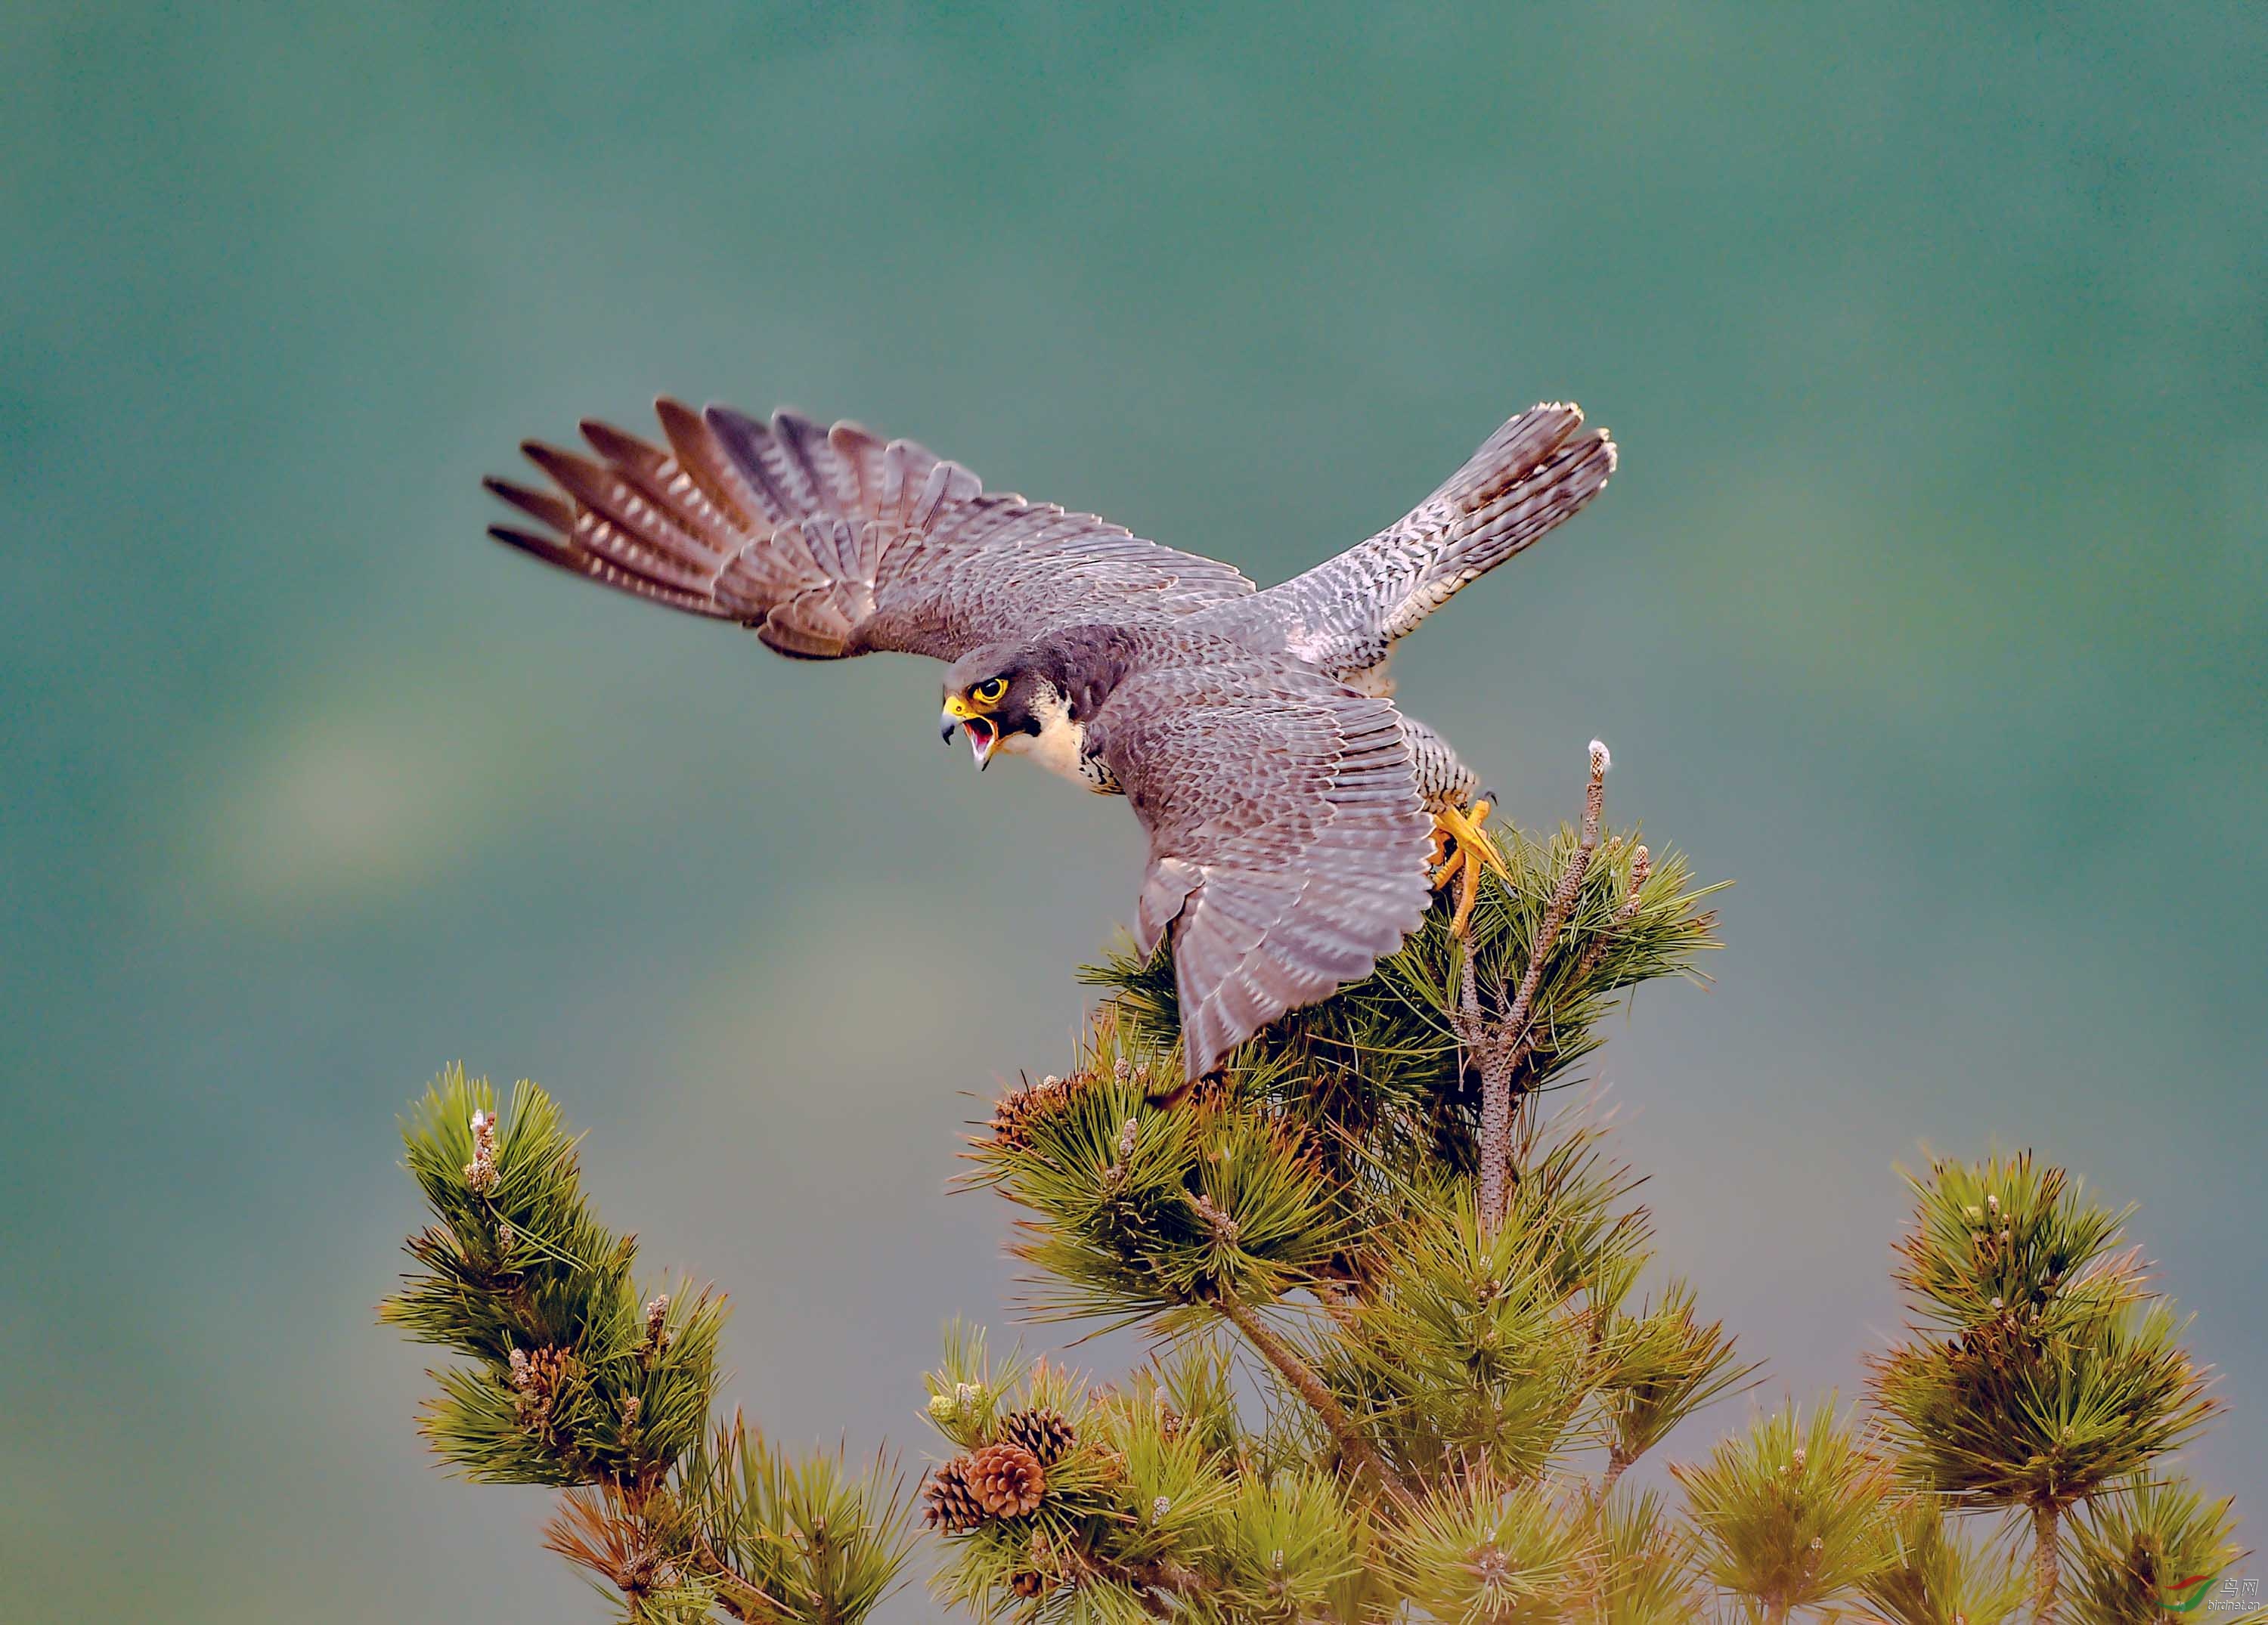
x: 982, y: 738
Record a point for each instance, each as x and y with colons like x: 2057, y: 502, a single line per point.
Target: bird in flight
x: 1298, y: 822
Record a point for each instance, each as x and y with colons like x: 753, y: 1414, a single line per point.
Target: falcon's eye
x: 992, y: 691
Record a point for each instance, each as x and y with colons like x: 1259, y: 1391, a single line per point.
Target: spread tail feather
x: 1531, y: 474
x: 1343, y: 615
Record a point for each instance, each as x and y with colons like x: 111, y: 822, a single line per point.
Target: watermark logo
x: 2185, y: 1595
x: 2208, y: 1593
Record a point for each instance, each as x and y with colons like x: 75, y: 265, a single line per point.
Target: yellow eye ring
x: 992, y: 691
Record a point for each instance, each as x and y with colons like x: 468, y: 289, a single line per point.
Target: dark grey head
x: 997, y: 695
x: 1010, y: 697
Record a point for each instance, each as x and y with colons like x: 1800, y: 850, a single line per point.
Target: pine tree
x: 1408, y: 1333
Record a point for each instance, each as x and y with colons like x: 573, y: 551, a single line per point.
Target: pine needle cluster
x: 1789, y: 1512
x: 575, y: 1376
x: 2042, y: 1371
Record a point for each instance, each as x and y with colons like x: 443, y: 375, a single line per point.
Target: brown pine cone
x: 1006, y: 1478
x: 1043, y: 1431
x: 953, y: 1505
x: 1015, y: 1114
x: 1027, y: 1582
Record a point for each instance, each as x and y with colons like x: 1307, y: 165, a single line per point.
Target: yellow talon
x: 1461, y: 849
x: 1469, y: 888
x: 1469, y: 827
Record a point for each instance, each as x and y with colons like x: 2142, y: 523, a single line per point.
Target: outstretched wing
x: 831, y: 542
x: 1288, y: 846
x: 1534, y: 471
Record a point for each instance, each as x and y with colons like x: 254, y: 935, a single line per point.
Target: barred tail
x: 1530, y: 475
x: 1343, y: 615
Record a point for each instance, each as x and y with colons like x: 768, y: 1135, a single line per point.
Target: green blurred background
x: 1928, y: 606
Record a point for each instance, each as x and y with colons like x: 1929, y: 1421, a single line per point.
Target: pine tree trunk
x: 1616, y: 1462
x: 2044, y: 1570
x: 1496, y: 1140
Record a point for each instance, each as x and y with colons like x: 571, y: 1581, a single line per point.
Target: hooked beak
x: 982, y: 736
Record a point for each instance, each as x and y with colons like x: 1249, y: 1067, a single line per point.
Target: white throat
x: 1060, y: 744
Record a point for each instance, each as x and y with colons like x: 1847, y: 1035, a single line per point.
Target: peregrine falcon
x: 1295, y: 817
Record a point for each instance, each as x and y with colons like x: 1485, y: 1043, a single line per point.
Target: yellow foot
x: 1462, y: 849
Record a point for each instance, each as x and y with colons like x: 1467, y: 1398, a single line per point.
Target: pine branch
x: 1593, y: 956
x: 2042, y: 1369
x: 1473, y: 1347
x: 1659, y: 1368
x: 1498, y: 1055
x: 1304, y: 1382
x: 578, y: 1380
